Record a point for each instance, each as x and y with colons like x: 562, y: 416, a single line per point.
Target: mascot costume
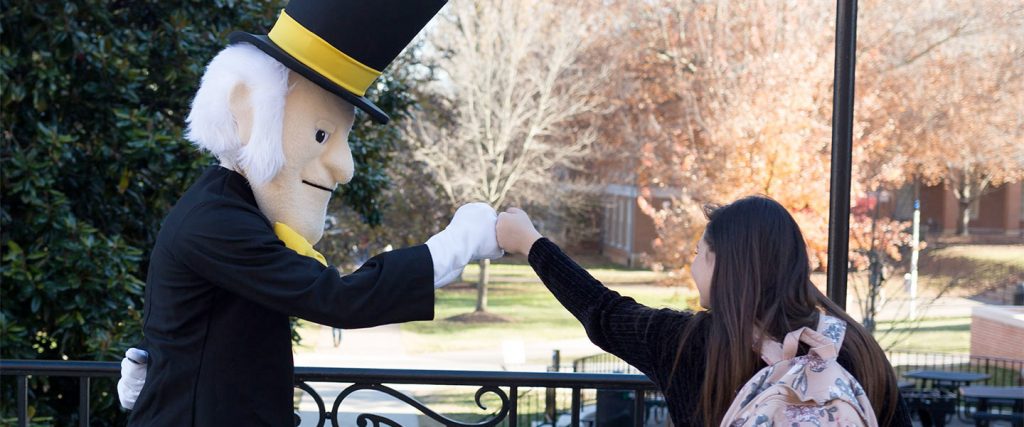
x: 234, y: 256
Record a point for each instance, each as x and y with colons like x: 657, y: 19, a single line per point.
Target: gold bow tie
x: 297, y: 243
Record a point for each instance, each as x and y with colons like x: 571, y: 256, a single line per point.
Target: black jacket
x: 220, y: 289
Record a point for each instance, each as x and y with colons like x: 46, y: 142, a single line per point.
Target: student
x: 753, y: 275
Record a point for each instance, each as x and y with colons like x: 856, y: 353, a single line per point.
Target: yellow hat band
x: 317, y: 54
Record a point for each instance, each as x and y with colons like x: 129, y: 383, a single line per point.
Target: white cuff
x: 449, y: 256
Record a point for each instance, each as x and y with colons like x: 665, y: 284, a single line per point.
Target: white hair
x: 213, y: 128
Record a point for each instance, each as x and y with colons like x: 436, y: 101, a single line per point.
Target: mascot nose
x: 340, y: 165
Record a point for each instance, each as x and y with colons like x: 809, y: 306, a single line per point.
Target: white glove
x: 471, y: 236
x: 133, y: 376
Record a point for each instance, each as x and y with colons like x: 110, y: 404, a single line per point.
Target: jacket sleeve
x: 618, y: 324
x: 234, y: 247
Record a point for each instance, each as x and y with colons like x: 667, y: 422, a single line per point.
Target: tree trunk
x: 875, y: 277
x: 964, y: 197
x: 965, y: 218
x: 481, y: 286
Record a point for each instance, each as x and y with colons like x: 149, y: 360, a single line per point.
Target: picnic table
x: 986, y: 395
x: 937, y: 394
x: 946, y: 380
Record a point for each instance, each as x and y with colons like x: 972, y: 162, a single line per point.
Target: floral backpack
x: 797, y: 391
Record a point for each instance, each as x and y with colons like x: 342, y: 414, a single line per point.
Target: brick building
x: 627, y: 232
x: 1000, y: 211
x: 998, y: 331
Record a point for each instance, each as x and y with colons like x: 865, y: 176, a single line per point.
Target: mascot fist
x: 133, y: 376
x: 469, y: 237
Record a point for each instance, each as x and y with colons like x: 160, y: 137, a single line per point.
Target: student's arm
x: 617, y: 324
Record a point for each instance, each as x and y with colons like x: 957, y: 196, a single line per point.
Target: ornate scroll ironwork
x: 362, y: 420
x: 363, y: 379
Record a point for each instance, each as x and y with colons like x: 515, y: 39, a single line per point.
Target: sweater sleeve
x: 617, y: 324
x: 235, y: 249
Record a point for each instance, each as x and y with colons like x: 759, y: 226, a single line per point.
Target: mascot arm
x: 236, y: 249
x: 471, y: 236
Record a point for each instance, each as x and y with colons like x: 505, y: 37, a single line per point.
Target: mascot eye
x: 321, y: 136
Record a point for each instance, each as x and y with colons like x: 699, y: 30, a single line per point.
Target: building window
x: 622, y: 222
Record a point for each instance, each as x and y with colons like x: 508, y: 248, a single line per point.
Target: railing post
x: 575, y: 407
x: 513, y: 406
x: 550, y: 404
x: 638, y: 408
x: 83, y: 401
x: 22, y: 401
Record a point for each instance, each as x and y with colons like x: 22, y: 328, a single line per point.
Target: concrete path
x: 899, y: 308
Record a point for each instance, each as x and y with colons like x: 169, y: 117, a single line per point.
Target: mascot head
x: 278, y: 108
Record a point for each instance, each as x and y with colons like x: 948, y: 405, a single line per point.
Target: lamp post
x: 842, y: 149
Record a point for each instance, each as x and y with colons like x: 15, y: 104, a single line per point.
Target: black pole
x: 842, y: 149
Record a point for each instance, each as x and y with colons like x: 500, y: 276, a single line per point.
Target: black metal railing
x: 507, y: 387
x: 1002, y: 372
x: 603, y: 363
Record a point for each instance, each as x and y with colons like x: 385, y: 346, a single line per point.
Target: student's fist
x: 516, y: 234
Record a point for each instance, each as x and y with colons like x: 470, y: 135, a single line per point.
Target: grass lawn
x: 942, y: 335
x: 972, y: 269
x: 985, y: 255
x: 533, y: 313
x: 517, y: 294
x: 516, y: 269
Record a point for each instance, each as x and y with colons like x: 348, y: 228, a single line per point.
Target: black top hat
x: 343, y: 45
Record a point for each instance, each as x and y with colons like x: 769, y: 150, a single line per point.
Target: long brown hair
x: 761, y: 281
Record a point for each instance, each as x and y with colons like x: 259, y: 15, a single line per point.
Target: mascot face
x: 316, y: 154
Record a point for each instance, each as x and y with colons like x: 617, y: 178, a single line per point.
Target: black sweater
x: 644, y: 337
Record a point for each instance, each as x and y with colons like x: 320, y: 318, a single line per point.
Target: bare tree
x: 505, y: 114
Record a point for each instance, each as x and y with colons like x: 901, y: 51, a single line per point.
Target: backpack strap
x: 832, y: 328
x: 826, y: 341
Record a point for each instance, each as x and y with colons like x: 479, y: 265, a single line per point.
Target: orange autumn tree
x: 939, y: 92
x: 720, y: 103
x: 715, y: 102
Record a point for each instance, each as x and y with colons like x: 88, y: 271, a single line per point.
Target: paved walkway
x: 898, y: 308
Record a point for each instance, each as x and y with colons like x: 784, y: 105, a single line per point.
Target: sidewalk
x: 898, y: 308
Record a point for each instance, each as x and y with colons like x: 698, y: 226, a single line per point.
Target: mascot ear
x: 241, y: 110
x: 238, y: 111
